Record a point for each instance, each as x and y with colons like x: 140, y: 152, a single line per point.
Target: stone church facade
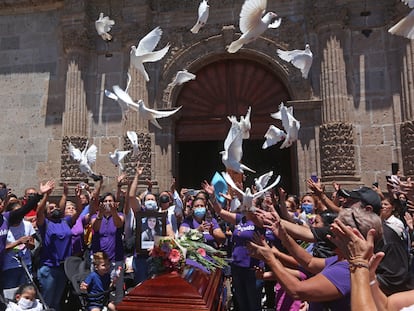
x: 355, y: 108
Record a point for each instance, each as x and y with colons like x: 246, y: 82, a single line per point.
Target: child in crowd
x: 25, y: 299
x: 98, y: 282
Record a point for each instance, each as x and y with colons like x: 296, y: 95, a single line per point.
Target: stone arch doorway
x: 228, y: 87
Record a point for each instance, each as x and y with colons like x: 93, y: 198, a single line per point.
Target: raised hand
x: 47, y: 187
x: 207, y: 187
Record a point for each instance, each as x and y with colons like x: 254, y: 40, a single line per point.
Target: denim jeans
x: 246, y: 292
x: 52, y: 281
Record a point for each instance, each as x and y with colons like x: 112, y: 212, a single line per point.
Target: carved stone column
x: 407, y: 127
x: 336, y: 137
x: 75, y: 127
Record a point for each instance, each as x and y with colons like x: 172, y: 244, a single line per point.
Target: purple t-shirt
x: 192, y: 223
x: 108, y: 239
x: 4, y: 228
x: 337, y: 272
x: 243, y: 233
x: 57, y: 241
x: 78, y: 242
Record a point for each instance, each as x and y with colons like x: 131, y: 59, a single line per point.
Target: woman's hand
x: 47, y: 187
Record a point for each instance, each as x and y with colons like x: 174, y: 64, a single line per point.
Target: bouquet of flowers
x: 171, y: 254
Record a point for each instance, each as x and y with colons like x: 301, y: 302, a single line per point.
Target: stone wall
x: 54, y: 69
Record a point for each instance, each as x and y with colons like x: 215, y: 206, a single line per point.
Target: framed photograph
x: 149, y: 225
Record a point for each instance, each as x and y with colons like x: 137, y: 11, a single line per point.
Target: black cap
x: 368, y: 196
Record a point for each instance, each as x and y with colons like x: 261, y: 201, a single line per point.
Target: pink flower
x: 174, y: 255
x: 202, y: 252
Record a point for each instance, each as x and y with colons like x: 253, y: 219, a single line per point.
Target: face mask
x: 164, y: 199
x: 25, y: 303
x: 307, y: 207
x: 55, y: 214
x: 107, y: 207
x: 199, y: 212
x: 150, y: 205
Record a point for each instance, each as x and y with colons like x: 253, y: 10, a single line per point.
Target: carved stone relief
x: 407, y: 147
x: 337, y: 149
x: 144, y: 156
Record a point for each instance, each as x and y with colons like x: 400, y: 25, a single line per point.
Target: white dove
x: 301, y: 59
x: 145, y: 53
x: 203, y: 10
x: 152, y: 115
x: 248, y: 197
x: 117, y: 157
x: 273, y: 136
x: 103, y: 25
x: 244, y: 124
x: 405, y: 27
x: 262, y: 181
x: 122, y: 97
x: 181, y: 77
x: 252, y: 24
x: 133, y: 138
x: 232, y: 154
x: 86, y: 158
x: 290, y: 124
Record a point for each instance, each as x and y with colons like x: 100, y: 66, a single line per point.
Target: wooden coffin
x: 193, y: 289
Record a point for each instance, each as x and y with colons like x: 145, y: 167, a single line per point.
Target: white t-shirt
x: 10, y: 260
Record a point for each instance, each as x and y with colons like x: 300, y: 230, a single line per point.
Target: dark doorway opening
x: 199, y: 160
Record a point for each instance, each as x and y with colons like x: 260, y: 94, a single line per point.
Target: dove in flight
x: 405, y: 27
x: 290, y: 124
x: 244, y: 124
x: 232, y: 154
x: 122, y: 97
x: 181, y: 77
x: 273, y: 136
x: 252, y: 24
x: 117, y: 156
x: 152, y: 115
x: 145, y: 53
x: 248, y: 196
x: 203, y: 10
x: 103, y: 25
x: 262, y: 181
x: 301, y: 59
x: 86, y: 158
x: 133, y: 138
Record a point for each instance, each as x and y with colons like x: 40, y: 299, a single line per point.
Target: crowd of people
x: 317, y: 252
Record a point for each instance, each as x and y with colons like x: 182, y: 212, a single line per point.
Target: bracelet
x: 359, y: 264
x: 98, y: 217
x: 373, y: 282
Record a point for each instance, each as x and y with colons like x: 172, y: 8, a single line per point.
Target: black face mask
x: 55, y: 214
x: 164, y: 199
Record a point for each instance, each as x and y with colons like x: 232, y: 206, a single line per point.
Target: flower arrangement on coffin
x: 170, y: 254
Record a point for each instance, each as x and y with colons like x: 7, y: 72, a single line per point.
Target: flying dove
x: 262, y: 181
x: 290, y: 124
x: 252, y: 24
x: 117, y: 156
x: 248, y: 196
x: 232, y: 154
x: 301, y: 59
x: 145, y: 53
x: 181, y: 77
x: 405, y: 27
x: 273, y: 136
x: 122, y: 97
x: 152, y: 115
x: 244, y: 124
x: 133, y: 138
x: 86, y: 158
x: 103, y: 25
x: 203, y: 10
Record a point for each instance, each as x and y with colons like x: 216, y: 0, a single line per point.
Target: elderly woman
x: 330, y: 285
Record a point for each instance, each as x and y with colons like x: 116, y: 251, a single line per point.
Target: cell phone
x: 314, y: 178
x: 191, y: 192
x: 394, y: 168
x: 375, y: 184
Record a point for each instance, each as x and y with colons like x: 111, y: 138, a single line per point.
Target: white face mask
x: 150, y: 205
x: 25, y: 303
